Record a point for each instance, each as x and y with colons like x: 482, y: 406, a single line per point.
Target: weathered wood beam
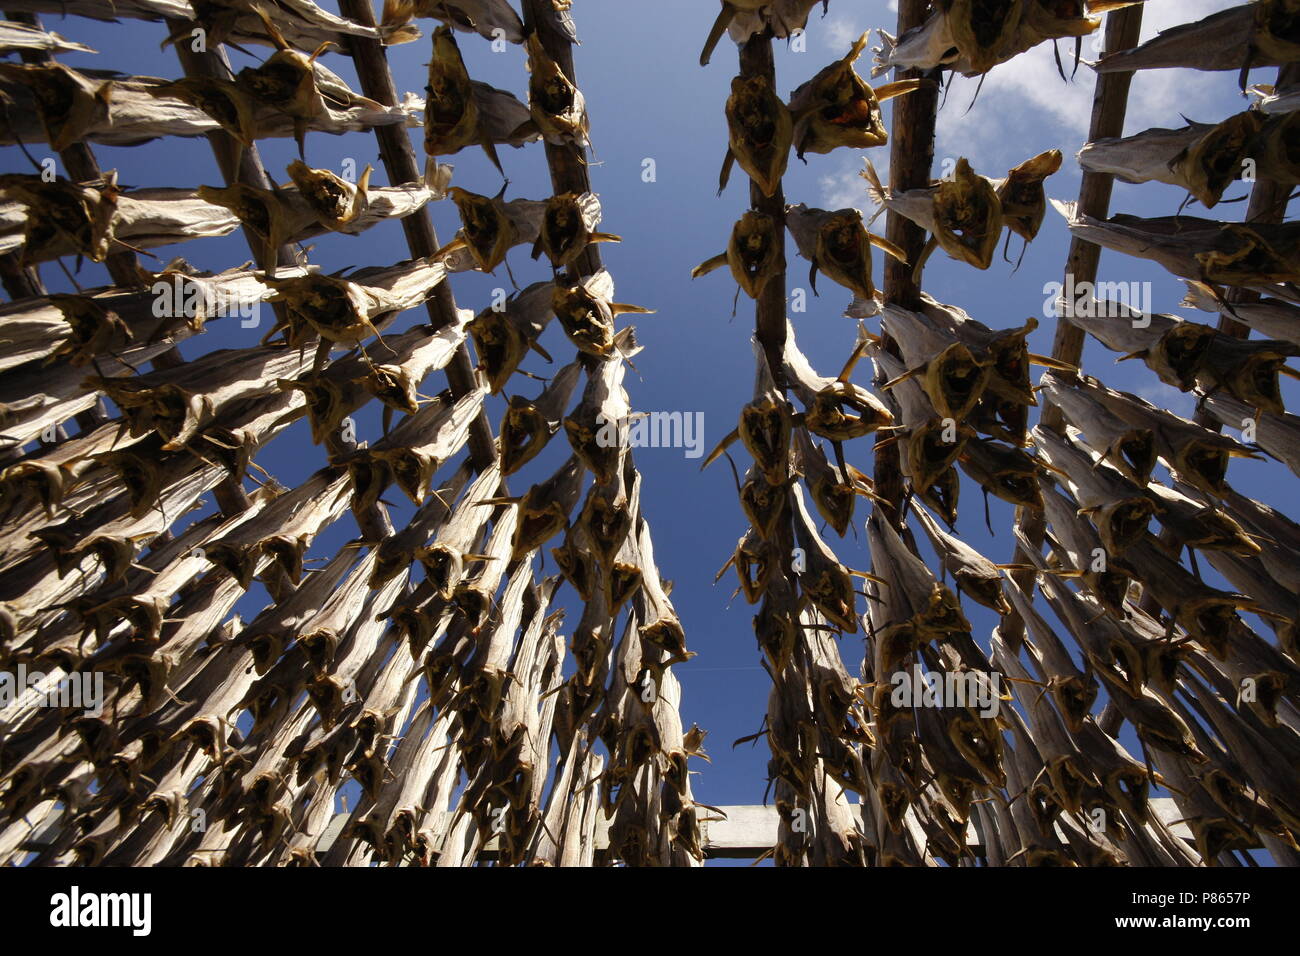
x: 81, y: 166
x: 769, y: 311
x: 567, y: 162
x: 1109, y: 109
x: 398, y: 156
x: 21, y: 282
x: 911, y: 156
x: 748, y: 831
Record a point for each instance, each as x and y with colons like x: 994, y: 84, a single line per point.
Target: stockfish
x: 488, y: 18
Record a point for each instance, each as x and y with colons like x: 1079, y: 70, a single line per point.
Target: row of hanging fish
x: 423, y: 664
x: 1025, y: 756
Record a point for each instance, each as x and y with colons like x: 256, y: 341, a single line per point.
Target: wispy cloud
x: 1166, y: 396
x: 1024, y: 106
x: 839, y: 32
x: 844, y: 188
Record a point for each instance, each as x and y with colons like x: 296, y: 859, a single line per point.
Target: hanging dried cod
x: 744, y: 18
x: 344, y: 312
x: 461, y: 112
x: 60, y: 218
x: 23, y: 36
x: 1228, y: 253
x: 971, y: 37
x: 1271, y: 318
x: 760, y: 131
x: 491, y: 227
x: 248, y: 115
x: 568, y: 227
x: 836, y: 108
x: 503, y: 336
x: 839, y: 245
x: 1203, y: 158
x: 754, y: 254
x: 488, y: 18
x: 528, y: 426
x: 557, y: 106
x: 1186, y: 354
x: 963, y: 214
x: 587, y: 312
x: 300, y: 23
x: 1242, y: 37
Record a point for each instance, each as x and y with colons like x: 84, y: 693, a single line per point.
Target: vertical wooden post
x: 911, y: 155
x: 769, y: 310
x: 398, y: 155
x: 1109, y: 109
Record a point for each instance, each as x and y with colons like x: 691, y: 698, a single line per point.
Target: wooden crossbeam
x: 748, y: 831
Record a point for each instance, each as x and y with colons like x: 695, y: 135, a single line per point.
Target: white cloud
x: 1166, y: 396
x: 844, y: 188
x: 840, y: 32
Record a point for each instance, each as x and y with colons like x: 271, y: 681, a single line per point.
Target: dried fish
x: 488, y: 18
x: 557, y: 106
x: 1117, y: 507
x: 491, y: 227
x: 1205, y: 159
x: 422, y: 443
x: 753, y: 254
x: 597, y: 427
x: 835, y: 408
x: 743, y: 18
x: 544, y: 509
x: 1023, y: 196
x: 837, y: 243
x: 963, y: 213
x: 971, y: 38
x: 587, y: 312
x: 444, y: 558
x: 1234, y: 254
x: 22, y: 36
x: 528, y: 426
x: 1253, y: 34
x: 951, y: 376
x: 568, y: 227
x: 823, y: 581
x: 836, y: 108
x: 503, y: 336
x: 1272, y: 318
x: 760, y: 131
x: 461, y: 112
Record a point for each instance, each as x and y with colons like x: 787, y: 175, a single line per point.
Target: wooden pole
x: 567, y: 162
x: 398, y: 156
x: 911, y: 156
x: 769, y: 310
x: 1109, y: 109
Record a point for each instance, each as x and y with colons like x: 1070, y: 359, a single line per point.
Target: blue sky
x: 648, y: 98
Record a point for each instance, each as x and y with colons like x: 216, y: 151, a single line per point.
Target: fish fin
x: 722, y: 446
